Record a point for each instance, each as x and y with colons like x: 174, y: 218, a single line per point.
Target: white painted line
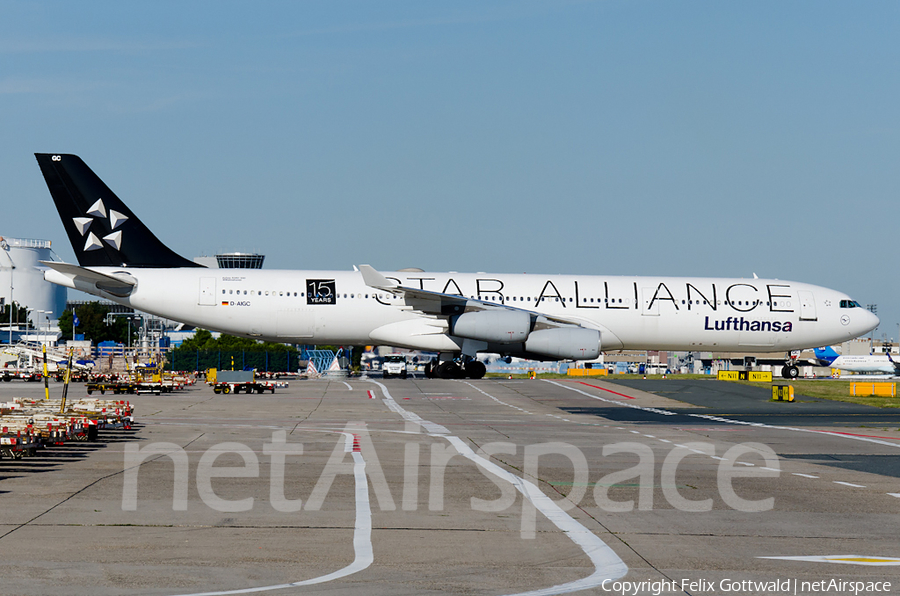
x: 650, y: 436
x: 665, y: 441
x: 895, y: 495
x: 717, y: 457
x: 348, y: 385
x: 497, y: 400
x: 362, y: 534
x: 635, y: 432
x: 804, y: 475
x: 848, y: 484
x: 607, y: 564
x: 743, y: 463
x: 896, y: 445
x: 844, y: 559
x: 770, y: 469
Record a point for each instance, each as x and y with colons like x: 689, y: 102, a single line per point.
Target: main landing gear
x: 453, y: 369
x: 790, y: 371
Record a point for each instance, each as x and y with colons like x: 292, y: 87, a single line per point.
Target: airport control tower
x: 233, y: 260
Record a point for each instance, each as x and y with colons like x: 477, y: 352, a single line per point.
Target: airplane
x: 458, y: 315
x: 873, y: 363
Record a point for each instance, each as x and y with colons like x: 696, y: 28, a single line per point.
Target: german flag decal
x: 224, y: 303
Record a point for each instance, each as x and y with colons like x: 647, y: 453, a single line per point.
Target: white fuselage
x: 864, y: 364
x: 337, y: 307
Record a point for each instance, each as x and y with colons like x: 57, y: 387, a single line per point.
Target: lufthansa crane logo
x: 92, y: 242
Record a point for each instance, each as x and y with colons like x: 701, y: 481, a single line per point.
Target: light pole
x: 40, y: 324
x: 12, y: 265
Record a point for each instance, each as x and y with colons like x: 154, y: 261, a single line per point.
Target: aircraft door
x: 807, y: 306
x: 207, y: 291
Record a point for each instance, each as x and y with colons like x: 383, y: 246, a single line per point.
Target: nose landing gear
x: 790, y: 371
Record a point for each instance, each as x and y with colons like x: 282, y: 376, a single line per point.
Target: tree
x: 19, y: 314
x: 203, y: 351
x: 203, y: 340
x: 92, y: 323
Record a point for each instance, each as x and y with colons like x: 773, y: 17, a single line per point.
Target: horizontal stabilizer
x: 87, y: 280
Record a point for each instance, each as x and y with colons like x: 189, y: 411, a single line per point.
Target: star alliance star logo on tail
x: 83, y: 225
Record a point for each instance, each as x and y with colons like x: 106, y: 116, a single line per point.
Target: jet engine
x: 493, y: 326
x: 571, y: 343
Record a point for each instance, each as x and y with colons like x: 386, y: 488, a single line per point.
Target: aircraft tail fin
x: 826, y: 355
x: 102, y: 229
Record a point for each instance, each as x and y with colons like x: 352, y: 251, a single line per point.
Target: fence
x: 282, y: 361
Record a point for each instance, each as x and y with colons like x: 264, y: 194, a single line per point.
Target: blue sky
x: 682, y: 138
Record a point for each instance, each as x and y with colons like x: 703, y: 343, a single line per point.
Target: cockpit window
x: 850, y: 304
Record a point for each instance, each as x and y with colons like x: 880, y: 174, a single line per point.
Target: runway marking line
x: 605, y: 389
x: 363, y: 551
x: 804, y: 475
x: 845, y: 559
x: 834, y: 432
x: 848, y: 484
x: 607, y: 564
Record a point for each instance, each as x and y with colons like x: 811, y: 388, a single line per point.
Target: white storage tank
x: 22, y: 278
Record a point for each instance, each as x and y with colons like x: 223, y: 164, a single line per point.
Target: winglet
x: 374, y: 279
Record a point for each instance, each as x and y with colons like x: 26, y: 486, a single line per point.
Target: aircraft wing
x: 439, y: 304
x: 84, y: 279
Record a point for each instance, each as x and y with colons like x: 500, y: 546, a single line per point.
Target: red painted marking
x: 371, y: 394
x: 834, y: 432
x: 356, y: 446
x: 607, y: 390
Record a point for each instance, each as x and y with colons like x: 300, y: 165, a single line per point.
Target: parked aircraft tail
x: 826, y: 355
x: 102, y: 229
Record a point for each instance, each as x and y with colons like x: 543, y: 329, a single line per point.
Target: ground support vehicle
x: 237, y: 381
x: 394, y: 365
x: 8, y: 374
x: 247, y: 387
x: 28, y: 425
x: 15, y: 444
x: 116, y: 387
